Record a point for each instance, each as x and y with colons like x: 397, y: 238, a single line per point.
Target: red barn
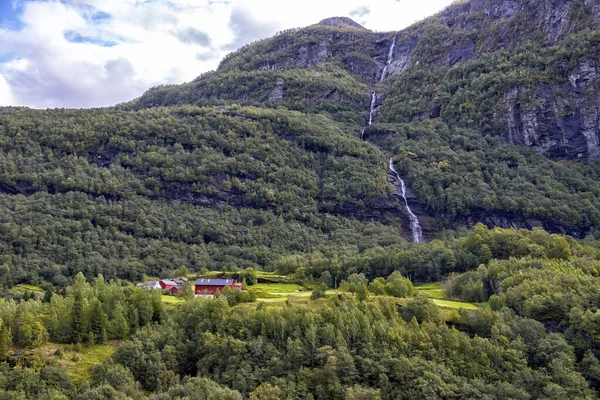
x: 167, y: 284
x: 208, y: 287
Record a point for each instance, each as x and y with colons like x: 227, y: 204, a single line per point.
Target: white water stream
x: 389, y: 60
x: 415, y: 227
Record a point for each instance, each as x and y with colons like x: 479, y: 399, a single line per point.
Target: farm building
x: 168, y: 284
x: 150, y: 285
x: 208, y: 287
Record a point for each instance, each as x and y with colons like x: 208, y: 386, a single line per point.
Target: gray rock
x: 277, y: 93
x: 341, y: 22
x: 564, y: 120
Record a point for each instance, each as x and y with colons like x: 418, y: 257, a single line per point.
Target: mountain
x: 488, y: 110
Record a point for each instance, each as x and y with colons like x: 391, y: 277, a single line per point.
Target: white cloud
x: 6, y: 98
x: 87, y: 53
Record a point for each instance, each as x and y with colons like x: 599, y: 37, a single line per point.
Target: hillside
x: 365, y: 189
x: 460, y: 90
x: 488, y: 110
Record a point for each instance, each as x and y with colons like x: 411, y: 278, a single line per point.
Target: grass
x: 454, y: 304
x: 436, y: 294
x: 78, y: 363
x: 22, y: 288
x: 166, y: 299
x: 431, y: 290
x: 279, y: 288
x: 279, y: 292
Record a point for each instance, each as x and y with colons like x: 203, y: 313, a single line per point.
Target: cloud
x: 6, y: 98
x: 193, y: 35
x: 247, y: 29
x: 90, y: 53
x: 360, y: 11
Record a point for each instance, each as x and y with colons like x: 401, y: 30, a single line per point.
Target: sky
x: 96, y: 53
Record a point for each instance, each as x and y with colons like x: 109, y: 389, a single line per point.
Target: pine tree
x: 4, y: 340
x: 77, y: 318
x: 98, y: 321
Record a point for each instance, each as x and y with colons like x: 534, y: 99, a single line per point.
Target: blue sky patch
x: 9, y: 17
x: 100, y: 16
x: 75, y: 37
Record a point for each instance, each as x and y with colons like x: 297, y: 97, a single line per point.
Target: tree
x: 378, y: 286
x: 187, y: 290
x: 266, y: 391
x: 4, y: 340
x: 358, y: 392
x: 423, y: 309
x: 78, y: 328
x: 98, y: 321
x: 399, y: 286
x: 326, y: 278
x: 318, y: 292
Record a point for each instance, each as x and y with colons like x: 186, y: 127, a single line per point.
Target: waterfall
x: 383, y: 76
x: 371, y: 111
x: 388, y: 61
x: 415, y: 227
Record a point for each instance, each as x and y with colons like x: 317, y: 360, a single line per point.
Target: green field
x: 454, y: 304
x: 22, y: 288
x: 278, y: 288
x: 166, y: 299
x: 431, y: 290
x: 273, y: 293
x: 76, y: 363
x: 436, y: 294
x: 278, y: 294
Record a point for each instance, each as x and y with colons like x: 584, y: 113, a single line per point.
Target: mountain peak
x: 341, y: 22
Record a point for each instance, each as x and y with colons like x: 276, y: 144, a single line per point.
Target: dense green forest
x: 533, y: 336
x: 127, y: 193
x: 257, y: 171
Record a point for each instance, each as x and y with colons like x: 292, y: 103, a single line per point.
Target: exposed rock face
x: 559, y: 117
x: 552, y: 18
x: 402, y: 56
x: 277, y: 93
x: 341, y: 22
x: 565, y: 120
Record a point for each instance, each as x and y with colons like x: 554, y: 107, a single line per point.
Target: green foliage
x: 318, y: 292
x: 118, y: 193
x: 399, y: 286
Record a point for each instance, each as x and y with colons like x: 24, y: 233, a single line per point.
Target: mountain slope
x: 262, y: 159
x: 525, y: 72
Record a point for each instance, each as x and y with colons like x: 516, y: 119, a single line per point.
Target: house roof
x: 148, y: 285
x: 214, y: 282
x: 169, y: 282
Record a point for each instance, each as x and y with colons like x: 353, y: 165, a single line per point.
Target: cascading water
x: 389, y: 60
x: 415, y: 227
x: 371, y: 111
x: 381, y: 79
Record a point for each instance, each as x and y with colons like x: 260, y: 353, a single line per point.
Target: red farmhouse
x: 208, y: 287
x: 167, y: 284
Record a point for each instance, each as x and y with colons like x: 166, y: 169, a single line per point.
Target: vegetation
x: 256, y: 171
x: 535, y: 331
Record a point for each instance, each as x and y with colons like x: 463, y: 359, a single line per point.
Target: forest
x: 532, y: 335
x: 258, y: 171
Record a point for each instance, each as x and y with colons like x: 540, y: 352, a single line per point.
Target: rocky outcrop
x: 512, y: 220
x: 277, y: 93
x: 341, y: 22
x: 560, y: 121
